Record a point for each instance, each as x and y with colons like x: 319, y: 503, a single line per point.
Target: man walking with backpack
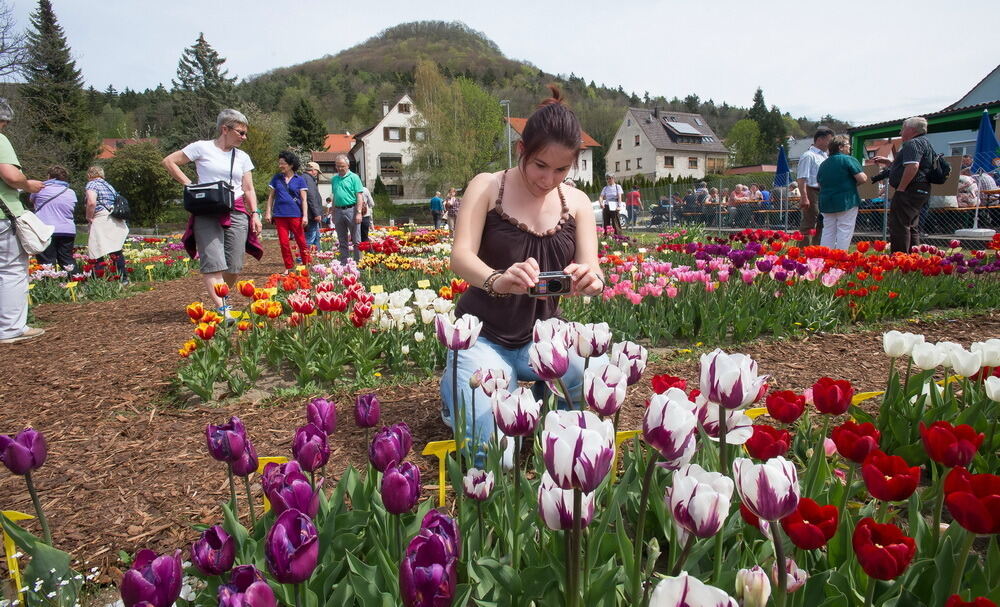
x: 908, y: 176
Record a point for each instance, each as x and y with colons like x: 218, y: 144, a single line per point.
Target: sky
x: 861, y: 61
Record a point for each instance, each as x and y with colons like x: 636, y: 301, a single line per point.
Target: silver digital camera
x: 551, y: 284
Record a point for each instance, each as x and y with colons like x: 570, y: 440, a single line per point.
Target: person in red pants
x: 287, y: 208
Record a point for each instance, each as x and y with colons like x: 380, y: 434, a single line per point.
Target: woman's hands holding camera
x: 518, y: 278
x: 585, y: 280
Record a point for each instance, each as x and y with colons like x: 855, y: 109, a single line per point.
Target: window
x: 668, y: 162
x: 583, y: 165
x: 418, y: 134
x: 637, y: 140
x: 628, y: 165
x: 628, y: 122
x: 404, y: 108
x: 619, y: 144
x: 390, y: 165
x: 618, y: 166
x: 638, y: 163
x: 715, y: 165
x: 692, y: 162
x: 392, y: 133
x: 698, y: 121
x: 395, y: 190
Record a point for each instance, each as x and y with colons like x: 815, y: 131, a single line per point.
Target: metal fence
x: 778, y: 208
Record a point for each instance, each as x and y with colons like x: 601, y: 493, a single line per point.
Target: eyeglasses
x: 242, y: 133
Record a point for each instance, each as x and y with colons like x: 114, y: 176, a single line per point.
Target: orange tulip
x: 260, y: 294
x: 195, y: 311
x: 211, y: 317
x: 259, y: 306
x: 205, y: 330
x: 246, y: 288
x: 221, y: 289
x: 274, y: 309
x: 244, y: 325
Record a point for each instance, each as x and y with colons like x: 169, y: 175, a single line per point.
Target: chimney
x: 385, y: 108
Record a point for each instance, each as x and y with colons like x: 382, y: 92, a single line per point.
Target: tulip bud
x: 992, y: 386
x: 670, y: 426
x: 555, y: 505
x: 493, y: 380
x: 927, y: 356
x: 221, y: 289
x: 291, y: 548
x: 287, y: 488
x: 446, y: 527
x: 400, y: 487
x: 731, y: 379
x: 795, y: 578
x: 152, y: 579
x: 630, y: 358
x: 310, y: 448
x: 390, y: 445
x: 476, y: 379
x: 427, y: 574
x: 226, y: 442
x: 548, y: 359
x: 516, y: 413
x: 323, y: 414
x: 460, y: 335
x: 214, y: 552
x: 769, y: 490
x: 604, y: 389
x: 366, y: 410
x: 248, y: 462
x: 699, y: 500
x: 477, y: 484
x: 23, y: 452
x: 753, y: 589
x: 578, y: 449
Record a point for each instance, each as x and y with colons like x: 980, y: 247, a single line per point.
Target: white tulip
x: 965, y: 363
x: 380, y: 299
x: 927, y: 356
x: 424, y: 298
x: 992, y: 385
x: 684, y: 590
x: 753, y: 587
x: 895, y: 344
x: 442, y: 305
x: 427, y: 315
x: 990, y: 350
x: 398, y: 299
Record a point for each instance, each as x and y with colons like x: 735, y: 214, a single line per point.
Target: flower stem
x: 818, y: 452
x: 475, y: 436
x: 938, y: 507
x: 516, y: 506
x: 232, y: 488
x: 479, y: 520
x: 300, y: 599
x: 964, y: 552
x: 398, y: 532
x: 647, y: 481
x: 679, y: 563
x: 717, y: 565
x: 575, y: 559
x: 870, y: 592
x: 253, y: 515
x: 723, y: 450
x: 567, y: 397
x: 779, y: 558
x: 46, y: 533
x: 457, y: 403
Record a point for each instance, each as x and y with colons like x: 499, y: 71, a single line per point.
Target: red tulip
x: 767, y: 442
x: 973, y: 500
x: 955, y: 600
x: 855, y: 441
x: 785, y: 406
x: 951, y: 445
x: 749, y: 517
x: 221, y: 289
x: 662, y: 383
x: 832, y: 396
x: 882, y: 550
x: 811, y: 526
x: 889, y: 477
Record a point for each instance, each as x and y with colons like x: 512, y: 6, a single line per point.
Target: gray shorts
x: 221, y: 249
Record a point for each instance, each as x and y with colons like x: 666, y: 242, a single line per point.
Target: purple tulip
x: 390, y: 444
x: 226, y: 442
x: 366, y: 411
x: 731, y: 379
x: 214, y: 552
x: 400, y: 487
x: 246, y: 588
x: 458, y: 336
x: 152, y: 579
x: 248, y: 462
x: 670, y: 426
x: 631, y: 359
x: 290, y: 489
x: 516, y: 413
x: 445, y: 526
x: 291, y: 548
x: 323, y: 414
x: 548, y: 359
x: 427, y: 575
x: 309, y: 447
x: 555, y: 505
x: 770, y: 490
x: 24, y: 452
x: 578, y: 449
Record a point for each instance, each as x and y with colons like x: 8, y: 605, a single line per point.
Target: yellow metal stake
x: 263, y: 461
x: 72, y: 289
x: 620, y: 438
x: 30, y: 287
x: 441, y: 449
x: 149, y: 271
x: 10, y: 550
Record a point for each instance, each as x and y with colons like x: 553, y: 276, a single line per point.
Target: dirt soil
x: 127, y: 468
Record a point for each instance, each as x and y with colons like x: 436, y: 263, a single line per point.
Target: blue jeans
x: 312, y: 234
x: 488, y: 355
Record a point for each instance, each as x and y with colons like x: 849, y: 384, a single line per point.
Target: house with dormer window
x: 656, y: 143
x: 383, y: 150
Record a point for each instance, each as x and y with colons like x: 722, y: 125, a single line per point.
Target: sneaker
x: 227, y: 313
x: 29, y: 333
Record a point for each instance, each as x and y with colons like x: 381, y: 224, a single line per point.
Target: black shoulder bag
x: 215, y: 198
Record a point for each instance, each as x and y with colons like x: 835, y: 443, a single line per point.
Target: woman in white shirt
x: 611, y: 201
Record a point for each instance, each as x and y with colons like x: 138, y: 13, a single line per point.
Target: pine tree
x: 305, y: 129
x: 54, y: 99
x: 202, y: 89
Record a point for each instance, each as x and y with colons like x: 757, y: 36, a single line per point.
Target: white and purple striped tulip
x: 753, y: 588
x: 590, y: 339
x: 555, y: 505
x: 699, y: 500
x: 795, y: 577
x: 478, y: 484
x: 548, y: 359
x: 630, y: 358
x: 769, y: 490
x: 490, y: 380
x: 553, y: 329
x: 578, y: 449
x: 604, y: 388
x: 731, y: 379
x: 516, y: 413
x: 687, y: 591
x: 739, y: 426
x: 670, y: 426
x: 460, y: 335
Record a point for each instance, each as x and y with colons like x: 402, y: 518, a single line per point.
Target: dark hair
x: 552, y: 122
x: 58, y: 172
x: 823, y: 131
x: 291, y: 158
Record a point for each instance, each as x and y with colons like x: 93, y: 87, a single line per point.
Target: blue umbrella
x: 987, y: 146
x: 781, y: 174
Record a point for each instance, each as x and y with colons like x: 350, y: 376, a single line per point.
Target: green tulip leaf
x: 48, y: 565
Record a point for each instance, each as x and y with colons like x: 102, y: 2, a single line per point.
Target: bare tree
x: 12, y: 49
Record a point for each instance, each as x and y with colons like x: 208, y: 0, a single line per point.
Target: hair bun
x: 556, y: 98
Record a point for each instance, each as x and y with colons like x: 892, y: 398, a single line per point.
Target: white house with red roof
x: 383, y: 150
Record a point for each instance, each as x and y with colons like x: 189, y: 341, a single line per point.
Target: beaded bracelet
x: 488, y: 285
